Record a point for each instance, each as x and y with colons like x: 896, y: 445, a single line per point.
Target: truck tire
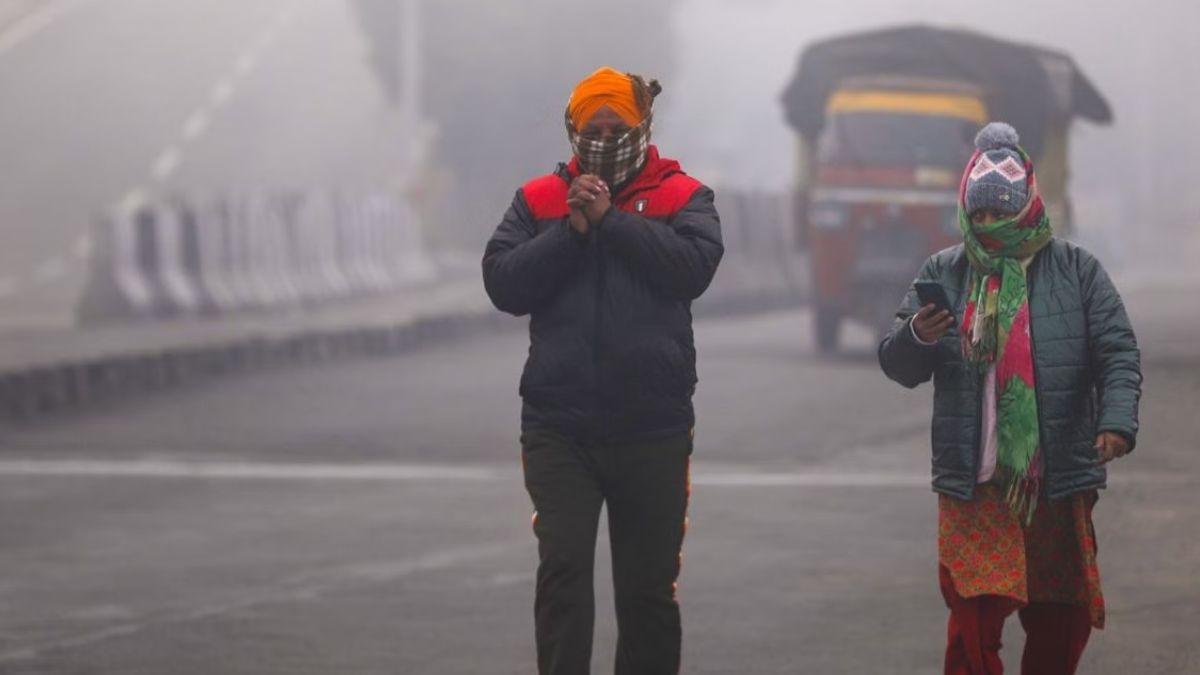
x: 827, y: 324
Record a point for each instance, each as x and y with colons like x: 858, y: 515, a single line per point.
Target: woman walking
x: 1037, y: 379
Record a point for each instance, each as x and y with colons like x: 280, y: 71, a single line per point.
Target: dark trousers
x: 1055, y: 634
x: 645, y: 486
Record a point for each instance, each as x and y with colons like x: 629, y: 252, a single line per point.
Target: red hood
x: 657, y: 170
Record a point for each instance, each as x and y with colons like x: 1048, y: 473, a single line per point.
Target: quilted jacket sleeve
x: 1113, y: 351
x: 522, y: 268
x: 901, y: 356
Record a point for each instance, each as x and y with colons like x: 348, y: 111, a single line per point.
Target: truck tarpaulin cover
x: 1030, y: 87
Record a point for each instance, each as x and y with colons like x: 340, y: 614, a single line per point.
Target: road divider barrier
x: 178, y: 257
x: 237, y: 260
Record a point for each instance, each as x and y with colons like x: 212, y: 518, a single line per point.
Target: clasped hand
x: 588, y: 199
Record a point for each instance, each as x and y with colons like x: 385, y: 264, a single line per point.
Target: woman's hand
x: 931, y: 326
x: 1110, y: 445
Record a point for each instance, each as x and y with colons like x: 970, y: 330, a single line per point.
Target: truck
x: 885, y: 122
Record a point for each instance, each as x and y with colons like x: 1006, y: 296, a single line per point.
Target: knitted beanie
x: 998, y: 179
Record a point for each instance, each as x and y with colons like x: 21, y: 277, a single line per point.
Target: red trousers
x: 1055, y: 634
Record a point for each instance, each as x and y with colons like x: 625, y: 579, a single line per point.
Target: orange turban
x: 605, y: 87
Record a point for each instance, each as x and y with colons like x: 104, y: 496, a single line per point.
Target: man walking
x: 606, y: 255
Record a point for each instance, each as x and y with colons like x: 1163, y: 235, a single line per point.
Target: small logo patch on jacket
x: 640, y: 205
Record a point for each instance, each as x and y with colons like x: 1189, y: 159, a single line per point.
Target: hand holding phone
x: 933, y: 293
x: 936, y: 316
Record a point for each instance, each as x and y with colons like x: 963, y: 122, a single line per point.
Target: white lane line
x: 131, y: 202
x: 265, y: 40
x: 238, y: 470
x: 868, y: 479
x: 245, y: 64
x: 810, y: 479
x: 36, y: 22
x: 222, y: 92
x: 195, y: 126
x: 278, y: 24
x: 501, y: 580
x: 49, y: 270
x: 166, y: 164
x: 417, y: 472
x: 307, y: 587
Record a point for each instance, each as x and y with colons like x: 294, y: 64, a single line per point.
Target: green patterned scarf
x: 996, y: 333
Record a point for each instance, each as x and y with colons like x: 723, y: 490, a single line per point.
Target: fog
x: 259, y: 413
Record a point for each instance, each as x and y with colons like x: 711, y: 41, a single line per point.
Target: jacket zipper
x: 601, y: 403
x: 597, y: 321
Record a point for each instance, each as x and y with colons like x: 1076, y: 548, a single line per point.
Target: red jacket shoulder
x: 667, y: 198
x: 546, y: 197
x: 681, y: 186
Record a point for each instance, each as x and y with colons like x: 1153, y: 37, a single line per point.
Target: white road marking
x: 300, y: 588
x: 265, y: 40
x: 502, y: 580
x: 200, y: 120
x: 49, y: 270
x: 245, y: 64
x: 222, y: 92
x: 238, y: 470
x: 277, y: 26
x: 131, y: 202
x: 431, y: 473
x: 867, y: 478
x: 810, y: 479
x: 166, y: 164
x: 195, y: 126
x: 36, y: 22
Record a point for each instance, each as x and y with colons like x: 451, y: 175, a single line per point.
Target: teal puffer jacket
x: 1086, y: 367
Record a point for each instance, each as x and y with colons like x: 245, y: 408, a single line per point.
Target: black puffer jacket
x: 1086, y: 368
x: 611, y: 355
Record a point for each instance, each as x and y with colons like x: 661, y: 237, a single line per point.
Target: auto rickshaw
x: 885, y: 122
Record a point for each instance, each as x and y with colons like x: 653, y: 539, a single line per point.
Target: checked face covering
x: 616, y: 160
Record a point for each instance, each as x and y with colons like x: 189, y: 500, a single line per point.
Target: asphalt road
x: 107, y: 103
x: 369, y: 517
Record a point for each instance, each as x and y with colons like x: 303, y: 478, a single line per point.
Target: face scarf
x: 996, y: 333
x: 616, y: 160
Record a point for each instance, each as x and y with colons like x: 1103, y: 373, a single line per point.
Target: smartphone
x: 933, y: 293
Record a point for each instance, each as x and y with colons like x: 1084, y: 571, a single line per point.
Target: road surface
x: 369, y: 517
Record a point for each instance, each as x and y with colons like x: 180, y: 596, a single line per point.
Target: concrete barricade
x: 261, y: 251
